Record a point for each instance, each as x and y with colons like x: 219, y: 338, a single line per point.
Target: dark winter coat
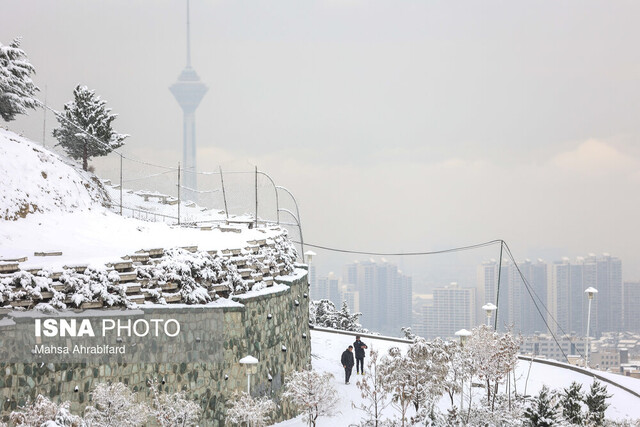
x: 347, y: 359
x: 359, y: 348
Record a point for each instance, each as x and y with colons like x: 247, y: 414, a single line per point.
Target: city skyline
x: 526, y: 135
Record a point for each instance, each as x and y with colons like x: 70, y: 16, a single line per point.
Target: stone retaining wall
x: 273, y: 327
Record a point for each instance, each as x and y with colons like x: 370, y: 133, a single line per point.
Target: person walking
x: 359, y: 346
x: 347, y: 363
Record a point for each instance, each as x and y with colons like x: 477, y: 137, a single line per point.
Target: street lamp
x: 489, y: 308
x: 590, y: 291
x: 251, y: 364
x: 464, y: 335
x: 309, y: 256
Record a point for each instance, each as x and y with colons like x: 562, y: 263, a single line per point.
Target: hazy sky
x: 398, y: 125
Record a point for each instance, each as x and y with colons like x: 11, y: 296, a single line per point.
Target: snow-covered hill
x: 37, y: 180
x: 326, y: 349
x: 50, y: 206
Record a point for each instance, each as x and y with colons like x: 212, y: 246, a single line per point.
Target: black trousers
x: 360, y: 364
x: 347, y: 373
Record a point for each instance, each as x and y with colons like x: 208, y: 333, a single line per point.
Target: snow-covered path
x: 326, y: 349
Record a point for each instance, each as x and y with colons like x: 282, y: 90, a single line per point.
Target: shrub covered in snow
x: 247, y: 410
x: 173, y: 409
x: 312, y: 393
x: 115, y: 405
x: 42, y: 411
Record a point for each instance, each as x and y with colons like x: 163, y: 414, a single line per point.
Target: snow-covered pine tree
x: 16, y: 87
x: 571, y: 400
x: 115, y: 405
x: 372, y: 392
x: 323, y: 313
x: 348, y: 321
x: 249, y: 411
x: 543, y: 410
x: 312, y: 393
x: 85, y: 127
x: 406, y: 331
x: 596, y: 401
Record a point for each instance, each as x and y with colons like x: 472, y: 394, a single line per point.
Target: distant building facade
x: 384, y: 294
x: 453, y: 308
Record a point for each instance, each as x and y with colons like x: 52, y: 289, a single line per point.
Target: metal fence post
x: 120, y: 184
x: 256, y: 180
x: 224, y: 193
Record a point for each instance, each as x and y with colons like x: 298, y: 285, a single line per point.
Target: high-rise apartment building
x: 453, y: 308
x: 569, y: 304
x: 631, y: 306
x: 384, y: 295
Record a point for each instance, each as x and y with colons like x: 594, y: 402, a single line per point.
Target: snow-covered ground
x: 326, y: 349
x: 47, y: 205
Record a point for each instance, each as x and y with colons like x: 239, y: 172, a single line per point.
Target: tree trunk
x: 85, y: 160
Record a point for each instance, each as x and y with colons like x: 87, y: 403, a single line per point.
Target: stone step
x: 253, y: 249
x: 153, y: 253
x: 169, y: 286
x: 132, y: 289
x: 121, y: 265
x: 128, y: 276
x: 9, y: 267
x: 46, y: 295
x: 48, y: 253
x: 172, y: 298
x: 268, y: 280
x: 19, y: 259
x: 229, y: 229
x: 91, y: 304
x: 245, y: 272
x: 221, y: 288
x: 140, y: 257
x: 190, y: 248
x: 79, y: 268
x: 21, y: 303
x: 138, y: 299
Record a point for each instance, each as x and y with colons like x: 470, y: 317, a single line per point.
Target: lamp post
x: 489, y: 308
x: 590, y: 291
x: 251, y: 364
x: 464, y: 335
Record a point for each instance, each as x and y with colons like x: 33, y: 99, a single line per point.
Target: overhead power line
x: 443, y: 251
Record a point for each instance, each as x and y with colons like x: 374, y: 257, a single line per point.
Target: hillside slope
x: 37, y: 180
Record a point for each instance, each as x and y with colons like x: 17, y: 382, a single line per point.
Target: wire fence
x: 144, y: 189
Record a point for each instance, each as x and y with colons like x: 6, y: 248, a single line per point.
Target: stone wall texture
x: 272, y: 327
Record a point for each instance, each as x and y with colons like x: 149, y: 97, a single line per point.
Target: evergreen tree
x: 572, y: 398
x: 542, y: 412
x: 85, y: 127
x: 348, y: 321
x: 596, y: 402
x: 16, y: 87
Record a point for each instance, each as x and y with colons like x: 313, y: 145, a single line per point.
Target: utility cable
x: 443, y: 251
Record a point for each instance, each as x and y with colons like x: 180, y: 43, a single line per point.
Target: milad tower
x: 189, y: 91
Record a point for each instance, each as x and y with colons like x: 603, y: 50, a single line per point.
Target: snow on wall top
x: 36, y: 180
